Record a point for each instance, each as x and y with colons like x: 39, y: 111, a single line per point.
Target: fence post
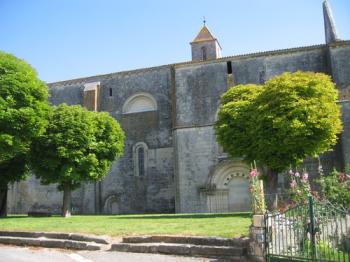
x: 257, y: 238
x: 312, y: 229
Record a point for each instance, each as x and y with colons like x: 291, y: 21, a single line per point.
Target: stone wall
x: 198, y: 90
x: 197, y: 154
x: 187, y: 99
x: 340, y: 68
x: 155, y: 191
x: 30, y: 195
x: 263, y: 67
x: 121, y: 189
x: 340, y: 64
x: 345, y: 137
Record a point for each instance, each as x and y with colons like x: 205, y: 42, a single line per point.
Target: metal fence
x: 314, y: 231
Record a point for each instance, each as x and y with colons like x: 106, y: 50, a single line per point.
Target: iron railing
x: 312, y: 231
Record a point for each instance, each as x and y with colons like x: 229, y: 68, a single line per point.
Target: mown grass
x: 221, y: 225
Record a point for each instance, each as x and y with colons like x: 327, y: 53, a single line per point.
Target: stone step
x: 183, y: 250
x: 66, y: 236
x: 51, y: 243
x: 207, y: 241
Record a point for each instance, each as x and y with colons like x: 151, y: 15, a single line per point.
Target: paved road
x: 29, y: 254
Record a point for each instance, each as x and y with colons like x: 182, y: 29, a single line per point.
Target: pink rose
x: 253, y: 173
x: 297, y: 174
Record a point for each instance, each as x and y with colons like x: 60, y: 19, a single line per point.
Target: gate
x: 315, y: 231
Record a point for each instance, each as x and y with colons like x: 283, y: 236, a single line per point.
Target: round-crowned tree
x: 291, y: 117
x: 78, y: 146
x: 23, y: 109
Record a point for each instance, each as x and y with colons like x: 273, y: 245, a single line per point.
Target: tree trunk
x: 3, y: 201
x: 270, y: 186
x: 67, y: 196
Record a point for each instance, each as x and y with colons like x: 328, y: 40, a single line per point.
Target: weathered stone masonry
x: 172, y: 162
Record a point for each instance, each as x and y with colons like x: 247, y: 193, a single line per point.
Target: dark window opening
x: 110, y: 92
x: 229, y: 67
x: 204, y: 53
x: 141, y: 161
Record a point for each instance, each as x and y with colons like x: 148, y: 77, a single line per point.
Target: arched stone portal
x: 229, y: 187
x: 111, y: 205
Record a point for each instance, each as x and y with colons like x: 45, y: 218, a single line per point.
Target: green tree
x: 291, y: 117
x: 23, y: 108
x: 78, y: 146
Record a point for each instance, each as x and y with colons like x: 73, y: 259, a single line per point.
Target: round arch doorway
x: 230, y: 187
x: 111, y: 205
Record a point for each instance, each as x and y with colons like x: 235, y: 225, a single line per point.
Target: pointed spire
x: 329, y: 24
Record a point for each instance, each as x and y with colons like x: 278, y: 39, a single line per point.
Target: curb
x: 50, y: 243
x: 206, y: 241
x: 64, y: 236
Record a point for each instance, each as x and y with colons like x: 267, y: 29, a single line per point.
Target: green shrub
x: 335, y: 187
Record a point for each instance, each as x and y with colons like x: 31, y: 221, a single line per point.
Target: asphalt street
x: 31, y: 254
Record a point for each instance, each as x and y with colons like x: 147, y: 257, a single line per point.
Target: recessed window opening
x: 140, y: 153
x: 204, y: 53
x: 229, y: 67
x: 141, y: 161
x: 110, y: 92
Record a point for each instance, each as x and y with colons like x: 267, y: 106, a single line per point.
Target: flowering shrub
x: 257, y: 190
x: 299, y: 186
x: 335, y: 187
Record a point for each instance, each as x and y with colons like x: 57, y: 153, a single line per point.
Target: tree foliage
x: 233, y: 128
x: 23, y: 109
x: 23, y: 106
x: 14, y: 169
x: 291, y: 117
x: 78, y: 146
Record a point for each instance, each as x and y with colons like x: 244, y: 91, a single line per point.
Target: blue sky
x: 75, y: 38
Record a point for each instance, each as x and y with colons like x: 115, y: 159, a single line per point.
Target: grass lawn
x: 222, y: 225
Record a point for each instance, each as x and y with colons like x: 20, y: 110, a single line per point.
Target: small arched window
x: 204, y: 53
x: 140, y: 151
x: 141, y: 160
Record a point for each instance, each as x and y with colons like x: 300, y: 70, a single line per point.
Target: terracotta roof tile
x: 204, y: 35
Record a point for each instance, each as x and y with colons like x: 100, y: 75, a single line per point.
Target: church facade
x: 172, y: 162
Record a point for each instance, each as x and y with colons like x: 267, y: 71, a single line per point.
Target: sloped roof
x: 204, y: 35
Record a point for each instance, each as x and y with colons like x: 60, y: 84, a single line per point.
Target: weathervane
x: 204, y: 21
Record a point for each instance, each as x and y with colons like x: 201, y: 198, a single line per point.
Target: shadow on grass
x: 186, y: 216
x: 13, y: 216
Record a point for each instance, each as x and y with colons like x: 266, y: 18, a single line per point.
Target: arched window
x: 140, y: 102
x: 141, y: 160
x: 204, y: 53
x: 140, y: 151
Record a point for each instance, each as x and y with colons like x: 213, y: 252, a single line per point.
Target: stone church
x: 172, y: 162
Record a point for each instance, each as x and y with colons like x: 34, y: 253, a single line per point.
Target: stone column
x: 257, y: 239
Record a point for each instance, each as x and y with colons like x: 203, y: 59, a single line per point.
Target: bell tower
x: 205, y: 46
